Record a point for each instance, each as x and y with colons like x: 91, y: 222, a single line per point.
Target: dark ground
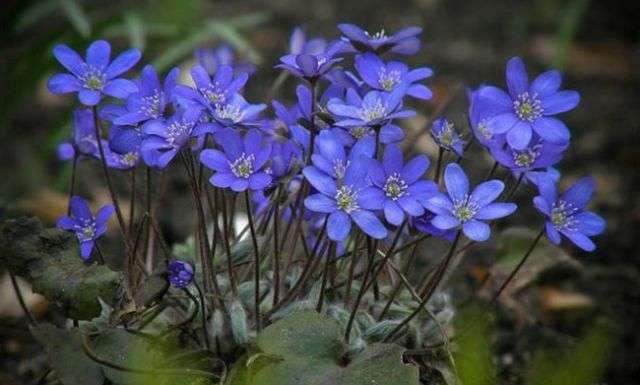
x: 464, y: 41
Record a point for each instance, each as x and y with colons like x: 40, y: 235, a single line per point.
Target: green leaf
x: 36, y: 12
x: 77, y: 17
x: 49, y: 260
x: 581, y: 365
x: 306, y: 348
x: 135, y: 28
x: 66, y: 357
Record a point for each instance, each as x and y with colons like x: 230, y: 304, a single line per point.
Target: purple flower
x: 311, y: 66
x: 284, y: 155
x: 212, y: 93
x: 180, y: 273
x: 212, y: 59
x: 347, y: 200
x: 566, y: 214
x: 122, y: 152
x: 458, y: 208
x: 299, y: 44
x: 529, y: 108
x: 480, y: 111
x: 95, y: 76
x: 238, y: 112
x: 239, y: 165
x: 424, y: 225
x: 151, y: 99
x: 403, y: 42
x: 386, y: 77
x: 86, y: 227
x: 165, y: 137
x: 331, y: 158
x: 375, y: 109
x: 399, y: 186
x: 538, y: 154
x: 84, y: 136
x: 445, y: 136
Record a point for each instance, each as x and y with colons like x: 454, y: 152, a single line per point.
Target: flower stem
x: 256, y: 260
x: 431, y: 288
x: 72, y: 182
x: 518, y: 267
x: 276, y: 248
x: 132, y: 201
x: 30, y: 318
x: 387, y: 255
x: 114, y: 197
x: 361, y: 292
x: 439, y: 165
x: 330, y: 256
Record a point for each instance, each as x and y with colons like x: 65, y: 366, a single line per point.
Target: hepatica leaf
x: 65, y: 355
x: 306, y: 348
x: 48, y: 259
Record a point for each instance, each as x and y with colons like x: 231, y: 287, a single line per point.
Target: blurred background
x: 467, y: 42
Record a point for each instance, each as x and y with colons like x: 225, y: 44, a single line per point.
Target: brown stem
x: 256, y: 260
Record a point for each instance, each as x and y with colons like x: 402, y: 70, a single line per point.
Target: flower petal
x: 561, y: 101
x: 259, y: 181
x: 98, y: 54
x: 552, y: 130
x: 85, y: 250
x: 445, y: 221
x: 579, y: 194
x: 517, y: 79
x: 520, y: 135
x: 546, y: 83
x: 487, y: 192
x: 63, y: 83
x: 68, y: 58
x: 338, y: 226
x: 215, y: 160
x: 369, y: 223
x: 456, y: 181
x: 320, y: 203
x: 496, y: 210
x: 123, y: 63
x: 552, y: 233
x: 579, y: 239
x: 320, y: 181
x: 393, y: 212
x: 411, y: 206
x: 120, y: 88
x: 89, y: 97
x: 370, y: 198
x: 476, y: 230
x: 415, y: 169
x: 65, y: 223
x: 103, y: 214
x: 392, y: 159
x: 222, y: 179
x: 589, y: 223
x: 79, y: 208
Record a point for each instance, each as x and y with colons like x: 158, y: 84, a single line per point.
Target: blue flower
x: 86, y: 227
x: 386, y: 77
x: 423, y: 224
x: 180, y: 273
x: 95, y: 76
x: 459, y: 209
x: 529, y: 108
x: 376, y: 109
x: 212, y: 59
x: 537, y: 155
x: 399, y: 186
x: 446, y: 137
x: 239, y: 165
x: 238, y: 112
x: 299, y: 44
x: 84, y: 136
x: 330, y: 156
x: 311, y: 66
x: 212, y: 94
x: 347, y: 200
x: 480, y: 111
x: 165, y: 137
x: 122, y: 152
x: 403, y: 42
x: 151, y: 99
x: 566, y: 214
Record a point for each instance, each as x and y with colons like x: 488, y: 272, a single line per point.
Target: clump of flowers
x: 323, y: 187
